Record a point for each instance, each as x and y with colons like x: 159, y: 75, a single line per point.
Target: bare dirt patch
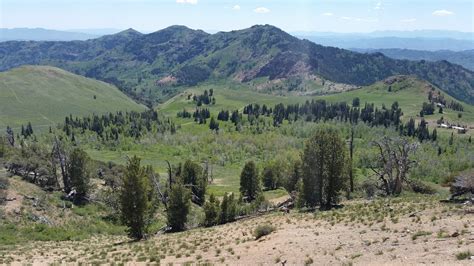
x: 381, y: 232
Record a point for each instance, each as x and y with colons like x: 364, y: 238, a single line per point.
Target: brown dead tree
x: 393, y: 163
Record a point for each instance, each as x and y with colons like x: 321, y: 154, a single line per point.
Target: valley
x: 244, y: 147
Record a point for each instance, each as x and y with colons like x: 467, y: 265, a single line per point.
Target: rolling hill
x: 44, y: 95
x: 154, y: 67
x: 410, y: 92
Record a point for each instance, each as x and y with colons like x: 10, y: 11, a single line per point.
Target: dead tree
x: 170, y: 174
x: 351, y: 152
x: 463, y: 184
x: 59, y: 155
x: 162, y: 195
x: 393, y: 163
x: 10, y: 136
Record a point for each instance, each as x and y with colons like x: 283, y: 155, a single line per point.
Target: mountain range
x: 464, y: 58
x: 389, y: 42
x: 40, y: 34
x: 156, y: 65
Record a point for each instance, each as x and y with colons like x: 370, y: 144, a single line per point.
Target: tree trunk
x: 351, y: 151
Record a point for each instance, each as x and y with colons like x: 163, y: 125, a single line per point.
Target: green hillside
x: 230, y: 149
x: 409, y: 92
x: 45, y: 95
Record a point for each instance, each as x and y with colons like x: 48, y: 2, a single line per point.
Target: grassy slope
x: 196, y: 142
x: 410, y: 94
x: 45, y: 95
x: 410, y: 98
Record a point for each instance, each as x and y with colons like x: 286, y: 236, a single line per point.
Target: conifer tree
x: 214, y: 125
x: 324, y: 172
x: 77, y: 171
x: 135, y: 202
x: 211, y: 211
x: 249, y: 181
x: 193, y: 176
x: 268, y: 178
x: 178, y: 207
x: 434, y: 135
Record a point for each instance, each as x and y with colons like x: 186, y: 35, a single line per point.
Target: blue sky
x: 213, y: 15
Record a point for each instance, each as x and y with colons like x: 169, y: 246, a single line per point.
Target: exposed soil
x: 13, y: 203
x: 383, y: 232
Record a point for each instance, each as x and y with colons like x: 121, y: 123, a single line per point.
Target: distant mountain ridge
x: 429, y: 34
x: 463, y: 58
x: 389, y: 42
x: 40, y: 34
x: 155, y: 65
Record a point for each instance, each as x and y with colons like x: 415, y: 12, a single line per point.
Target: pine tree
x: 231, y: 208
x: 410, y: 128
x: 214, y: 125
x: 228, y: 209
x: 249, y: 182
x: 356, y: 102
x: 211, y: 211
x: 178, y: 207
x: 268, y: 178
x: 224, y: 208
x: 422, y: 131
x: 193, y: 175
x: 295, y: 176
x: 323, y: 168
x: 77, y: 170
x: 434, y: 135
x: 135, y: 200
x: 29, y: 129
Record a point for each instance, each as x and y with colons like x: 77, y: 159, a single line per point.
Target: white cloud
x: 236, y: 7
x: 378, y: 6
x: 442, y: 13
x: 192, y: 2
x: 261, y: 10
x: 327, y: 14
x: 408, y: 20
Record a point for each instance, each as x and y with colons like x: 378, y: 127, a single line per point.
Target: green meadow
x: 44, y: 95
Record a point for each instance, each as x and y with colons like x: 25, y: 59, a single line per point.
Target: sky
x: 225, y: 15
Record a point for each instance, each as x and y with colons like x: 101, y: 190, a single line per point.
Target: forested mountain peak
x: 138, y: 63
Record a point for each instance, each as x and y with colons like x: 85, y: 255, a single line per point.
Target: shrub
x: 370, y: 187
x: 4, y: 183
x: 419, y: 186
x: 263, y: 230
x: 420, y: 233
x: 464, y: 255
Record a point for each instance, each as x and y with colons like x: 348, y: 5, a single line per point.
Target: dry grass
x: 396, y: 231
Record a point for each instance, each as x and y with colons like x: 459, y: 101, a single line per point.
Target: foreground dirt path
x: 382, y: 232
